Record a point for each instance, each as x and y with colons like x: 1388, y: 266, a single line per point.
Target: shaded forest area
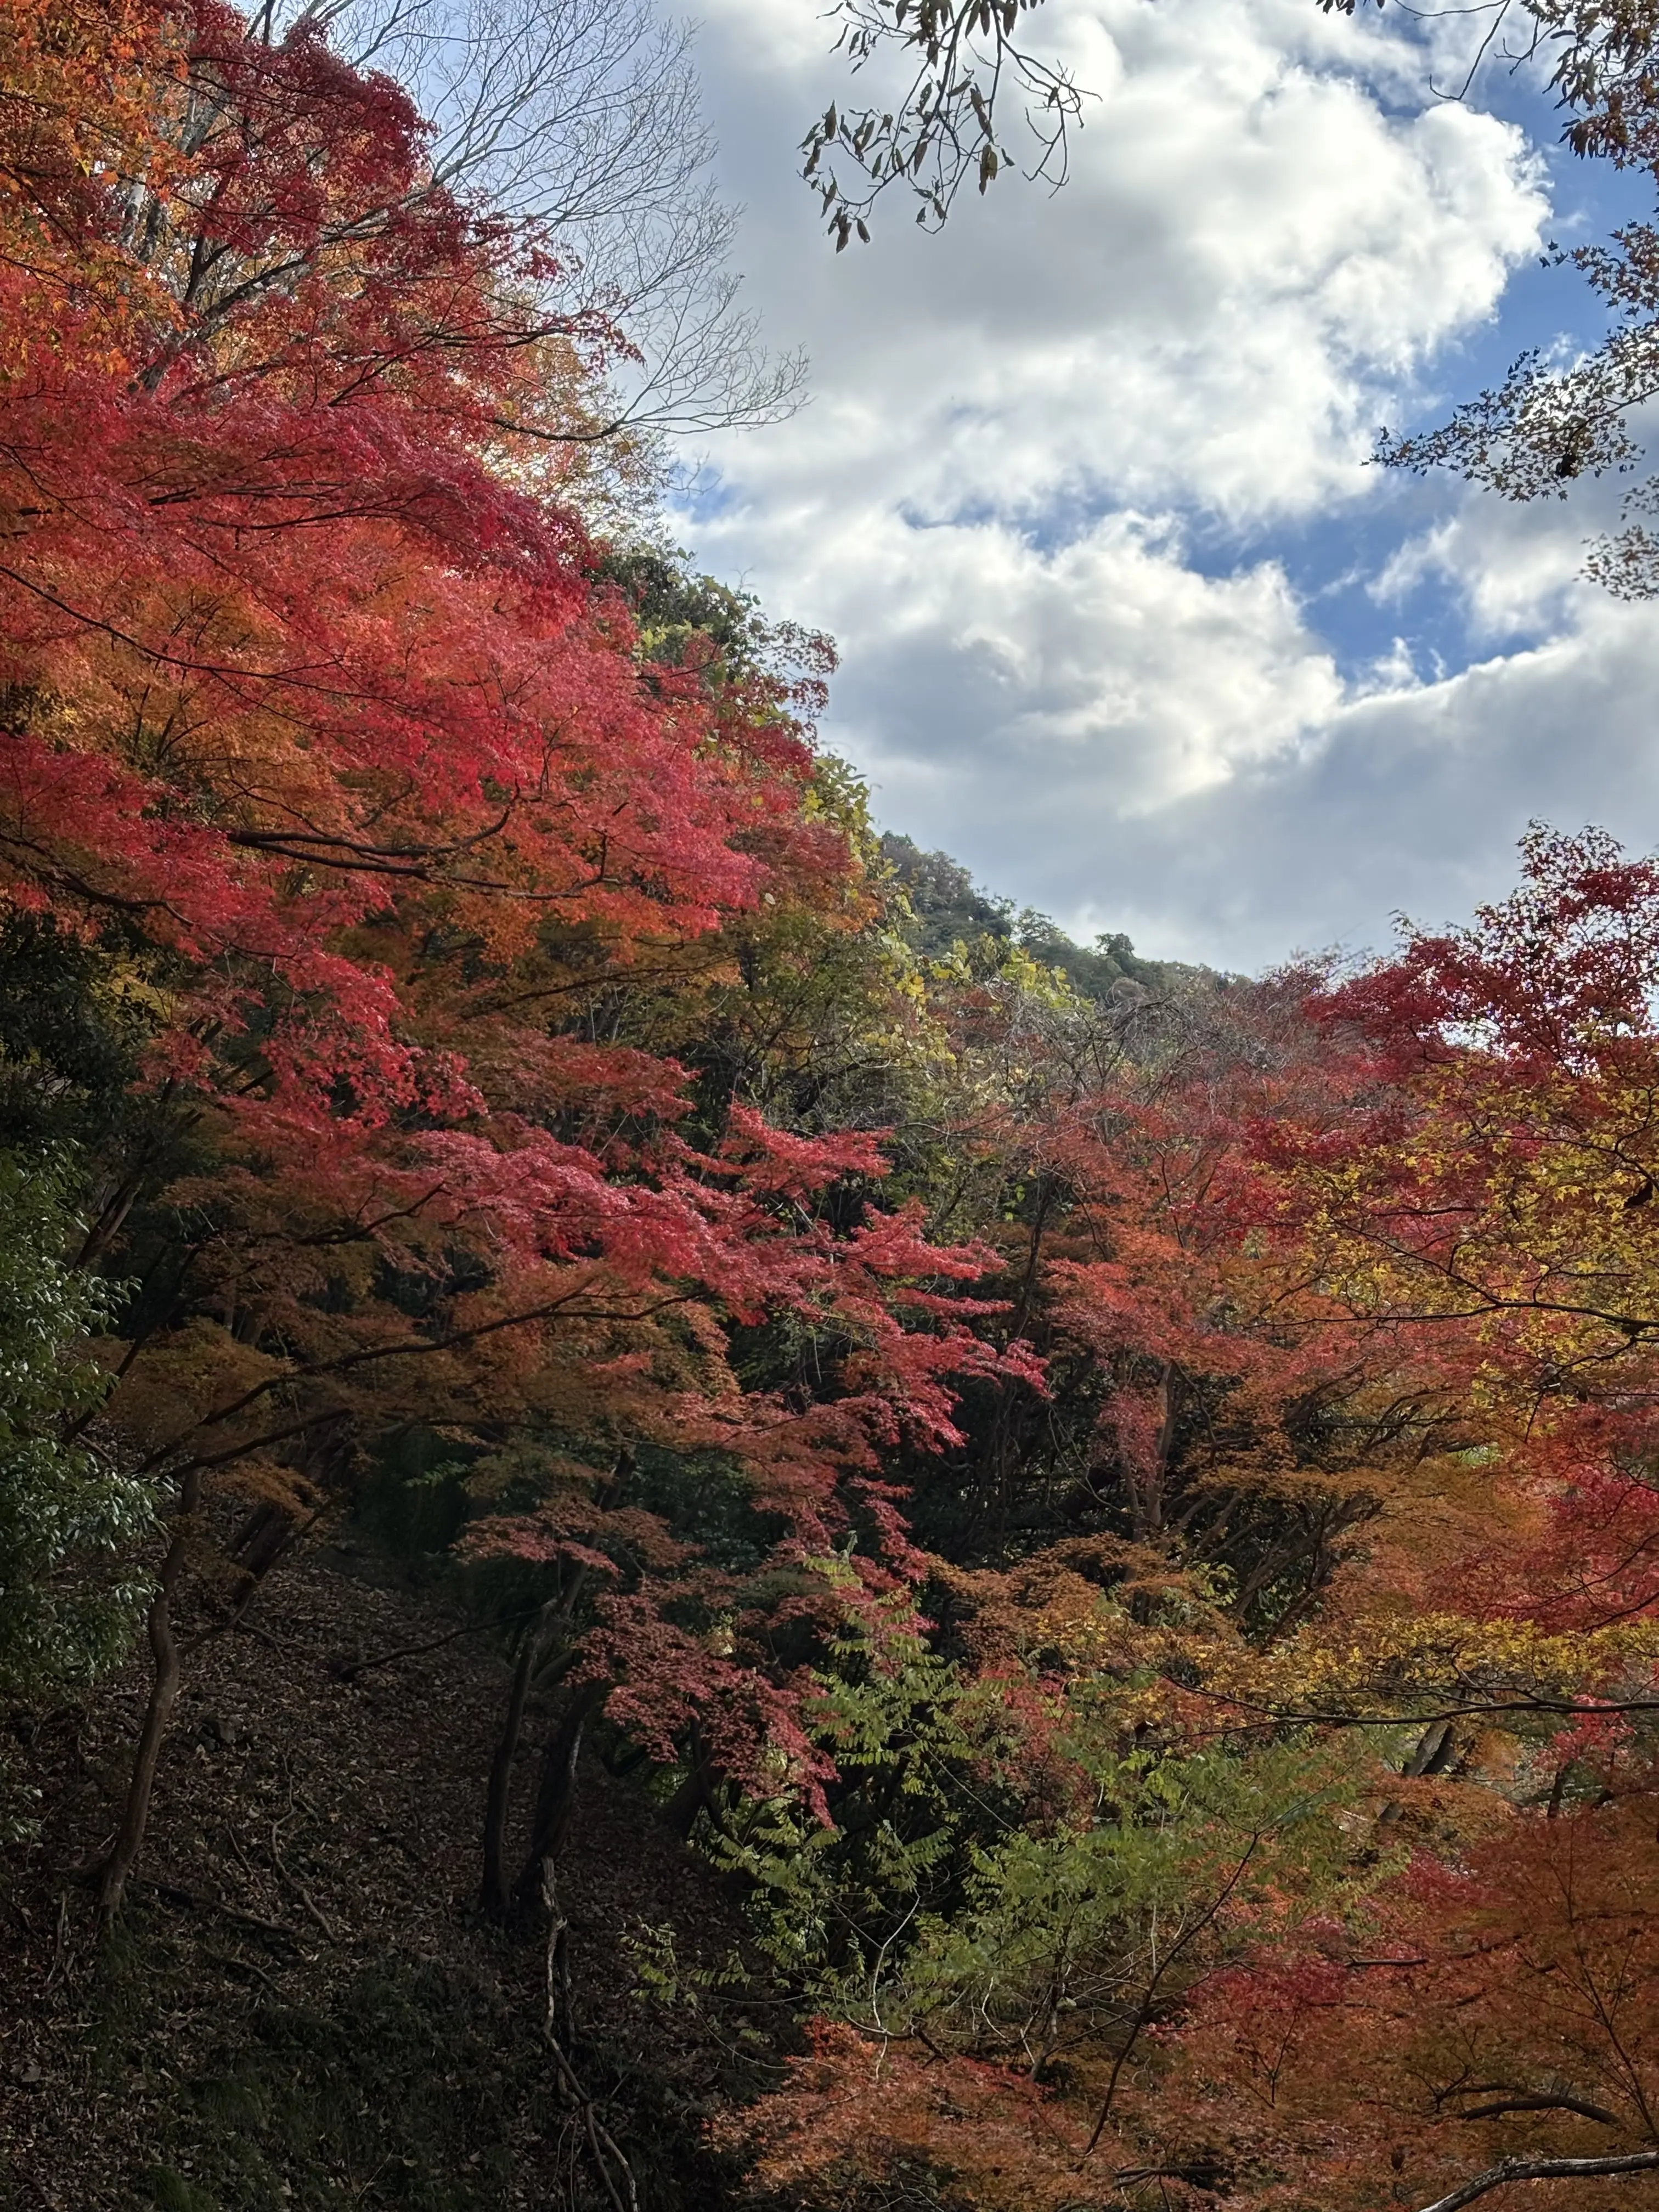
x: 687, y: 1517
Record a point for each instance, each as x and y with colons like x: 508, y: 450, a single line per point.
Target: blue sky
x: 1126, y: 622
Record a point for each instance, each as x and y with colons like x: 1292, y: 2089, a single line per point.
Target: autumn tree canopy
x: 1104, y: 1513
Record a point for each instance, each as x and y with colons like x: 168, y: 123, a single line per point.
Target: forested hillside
x: 690, y: 1518
x: 947, y: 911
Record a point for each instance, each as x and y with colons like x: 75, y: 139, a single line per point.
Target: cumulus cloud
x: 1255, y: 245
x: 1105, y: 674
x: 1409, y: 800
x: 1133, y: 746
x: 1039, y: 494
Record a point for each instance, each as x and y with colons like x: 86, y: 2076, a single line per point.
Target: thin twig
x: 348, y: 1673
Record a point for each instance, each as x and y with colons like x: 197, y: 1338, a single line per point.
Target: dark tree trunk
x: 494, y: 1894
x: 164, y: 1689
x: 555, y: 1794
x: 695, y: 1795
x: 556, y: 1789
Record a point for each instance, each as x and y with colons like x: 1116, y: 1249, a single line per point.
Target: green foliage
x: 1091, y: 1928
x: 946, y: 908
x: 74, y: 1019
x: 68, y: 1520
x: 415, y: 1500
x: 689, y: 621
x: 947, y: 1906
x: 917, y: 1749
x: 671, y: 605
x: 948, y: 915
x: 1095, y: 971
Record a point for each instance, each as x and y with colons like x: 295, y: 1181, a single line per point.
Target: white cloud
x: 1517, y: 571
x: 1105, y: 674
x: 1410, y: 799
x: 1133, y: 746
x: 1251, y: 247
x: 1270, y: 239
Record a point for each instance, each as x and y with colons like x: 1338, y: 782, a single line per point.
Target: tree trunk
x: 695, y: 1795
x: 555, y: 1794
x: 164, y: 1689
x: 494, y: 1895
x: 1435, y: 1749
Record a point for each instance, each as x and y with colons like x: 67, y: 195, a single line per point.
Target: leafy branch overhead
x: 942, y: 131
x: 1546, y: 427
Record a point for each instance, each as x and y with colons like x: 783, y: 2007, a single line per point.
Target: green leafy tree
x: 926, y: 1763
x: 70, y: 1520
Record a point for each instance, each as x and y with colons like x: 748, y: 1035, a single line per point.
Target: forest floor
x: 300, y: 2006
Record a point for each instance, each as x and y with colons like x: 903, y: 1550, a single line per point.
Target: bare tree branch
x: 582, y: 120
x: 1544, y: 2169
